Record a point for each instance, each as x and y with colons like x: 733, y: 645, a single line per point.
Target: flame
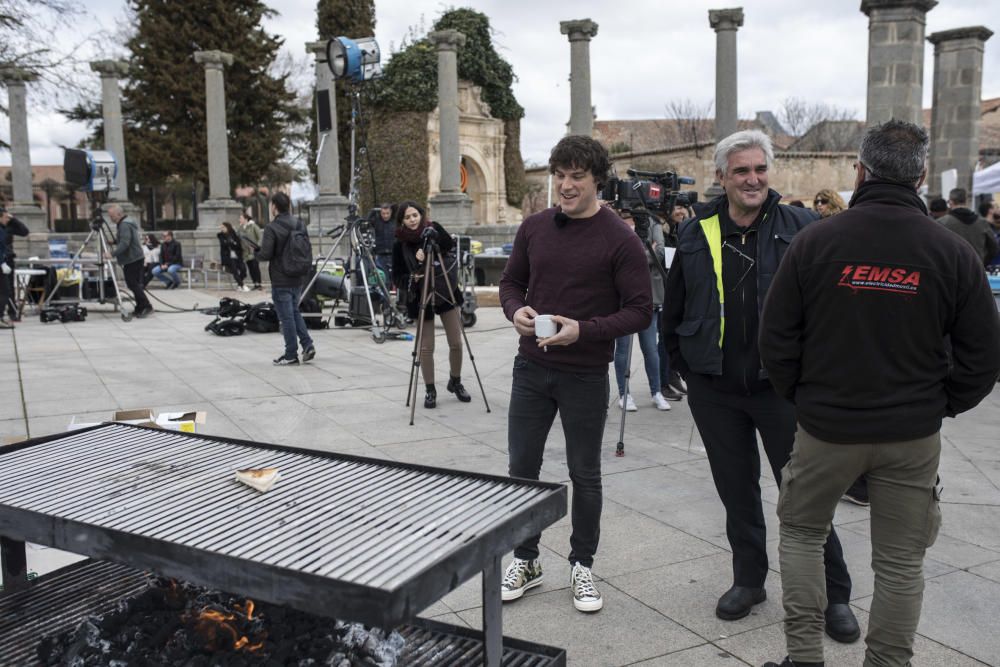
x: 211, y: 623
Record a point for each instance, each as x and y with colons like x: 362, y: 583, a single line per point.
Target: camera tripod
x: 105, y: 267
x: 432, y: 258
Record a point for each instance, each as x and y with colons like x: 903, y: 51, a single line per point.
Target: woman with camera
x: 416, y: 238
x: 231, y: 252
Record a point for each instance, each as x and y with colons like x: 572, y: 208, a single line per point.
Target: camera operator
x: 647, y: 337
x: 385, y: 236
x: 409, y: 254
x: 9, y: 228
x: 128, y: 253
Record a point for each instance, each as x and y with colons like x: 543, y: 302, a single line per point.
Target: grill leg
x: 14, y: 564
x: 492, y: 613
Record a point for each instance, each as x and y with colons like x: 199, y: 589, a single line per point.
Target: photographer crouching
x: 128, y: 253
x: 413, y: 231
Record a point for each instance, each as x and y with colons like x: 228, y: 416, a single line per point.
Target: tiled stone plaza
x: 663, y: 559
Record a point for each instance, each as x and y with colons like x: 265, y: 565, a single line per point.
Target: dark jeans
x: 581, y: 399
x: 133, y: 280
x: 286, y: 303
x: 7, y: 294
x: 728, y: 424
x: 253, y: 266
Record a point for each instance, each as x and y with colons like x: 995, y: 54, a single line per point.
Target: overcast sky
x: 646, y: 53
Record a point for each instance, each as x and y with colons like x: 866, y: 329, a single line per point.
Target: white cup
x: 544, y: 326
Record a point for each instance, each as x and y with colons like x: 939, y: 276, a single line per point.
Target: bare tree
x: 799, y: 116
x: 692, y: 120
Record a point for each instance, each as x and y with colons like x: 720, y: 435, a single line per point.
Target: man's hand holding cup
x: 545, y: 330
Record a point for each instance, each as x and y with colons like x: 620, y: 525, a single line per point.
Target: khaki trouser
x: 904, y: 521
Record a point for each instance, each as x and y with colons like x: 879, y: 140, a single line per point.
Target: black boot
x: 455, y: 387
x: 430, y: 399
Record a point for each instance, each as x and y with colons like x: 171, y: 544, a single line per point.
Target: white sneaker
x: 585, y: 596
x: 630, y: 405
x: 521, y: 575
x: 660, y: 402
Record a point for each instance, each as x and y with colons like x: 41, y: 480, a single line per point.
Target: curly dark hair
x: 580, y: 152
x: 401, y: 211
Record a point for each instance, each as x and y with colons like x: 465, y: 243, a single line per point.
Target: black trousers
x: 537, y: 394
x: 7, y: 294
x: 253, y: 266
x: 133, y: 280
x: 728, y: 424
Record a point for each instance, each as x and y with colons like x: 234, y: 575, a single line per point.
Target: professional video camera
x: 651, y: 190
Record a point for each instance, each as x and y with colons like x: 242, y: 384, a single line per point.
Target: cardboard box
x: 187, y: 421
x: 181, y: 421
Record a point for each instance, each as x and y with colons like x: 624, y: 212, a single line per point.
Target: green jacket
x: 250, y: 231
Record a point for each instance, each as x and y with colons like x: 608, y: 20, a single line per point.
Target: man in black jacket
x: 853, y: 331
x: 384, y: 227
x: 970, y: 226
x: 171, y: 261
x: 9, y: 228
x: 286, y: 290
x: 725, y: 260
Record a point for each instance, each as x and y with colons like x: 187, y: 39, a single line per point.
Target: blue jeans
x: 286, y: 303
x: 581, y: 399
x: 169, y: 275
x: 650, y: 356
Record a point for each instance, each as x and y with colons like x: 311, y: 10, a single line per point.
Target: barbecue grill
x: 340, y: 536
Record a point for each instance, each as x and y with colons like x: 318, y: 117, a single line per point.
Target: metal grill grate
x: 58, y: 602
x: 359, y: 527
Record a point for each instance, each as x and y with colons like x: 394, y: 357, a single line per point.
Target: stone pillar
x: 330, y: 206
x: 896, y: 58
x: 219, y: 207
x: 451, y: 206
x: 23, y: 207
x: 725, y: 23
x: 581, y: 115
x: 111, y: 106
x: 956, y: 114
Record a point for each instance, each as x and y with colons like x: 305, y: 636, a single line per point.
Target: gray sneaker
x: 585, y: 596
x: 520, y: 576
x: 309, y: 353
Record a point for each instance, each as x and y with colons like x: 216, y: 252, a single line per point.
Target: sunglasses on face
x: 819, y: 202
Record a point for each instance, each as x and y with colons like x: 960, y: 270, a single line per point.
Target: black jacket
x: 14, y: 227
x: 229, y: 244
x: 693, y: 323
x: 385, y: 233
x: 854, y: 326
x: 974, y: 229
x: 272, y: 242
x: 405, y: 265
x: 170, y: 253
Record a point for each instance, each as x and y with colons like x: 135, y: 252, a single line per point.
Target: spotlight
x: 354, y: 59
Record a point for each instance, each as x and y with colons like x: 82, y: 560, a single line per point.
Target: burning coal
x: 181, y: 625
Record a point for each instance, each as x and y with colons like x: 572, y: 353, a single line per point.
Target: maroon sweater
x: 592, y: 270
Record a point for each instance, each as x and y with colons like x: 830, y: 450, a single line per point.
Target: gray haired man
x: 853, y: 332
x: 128, y: 254
x: 725, y: 260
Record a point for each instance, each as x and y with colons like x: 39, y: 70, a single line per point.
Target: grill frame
x: 382, y: 606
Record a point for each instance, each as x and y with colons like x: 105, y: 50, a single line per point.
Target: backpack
x: 262, y: 318
x: 297, y: 254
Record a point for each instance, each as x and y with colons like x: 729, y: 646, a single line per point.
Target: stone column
x: 330, y: 206
x: 581, y: 115
x: 896, y: 58
x: 451, y: 206
x: 956, y: 114
x: 114, y: 134
x: 219, y: 207
x: 23, y: 207
x: 725, y: 23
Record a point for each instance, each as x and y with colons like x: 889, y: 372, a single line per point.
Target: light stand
x: 105, y: 267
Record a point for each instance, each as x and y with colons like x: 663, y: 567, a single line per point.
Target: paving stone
x: 706, y: 655
x: 989, y: 571
x: 625, y: 631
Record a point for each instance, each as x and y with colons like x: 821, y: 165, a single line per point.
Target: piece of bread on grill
x: 261, y: 479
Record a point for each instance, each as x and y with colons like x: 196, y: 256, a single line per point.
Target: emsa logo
x: 880, y: 278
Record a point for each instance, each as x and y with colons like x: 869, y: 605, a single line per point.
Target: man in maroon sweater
x: 579, y: 263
